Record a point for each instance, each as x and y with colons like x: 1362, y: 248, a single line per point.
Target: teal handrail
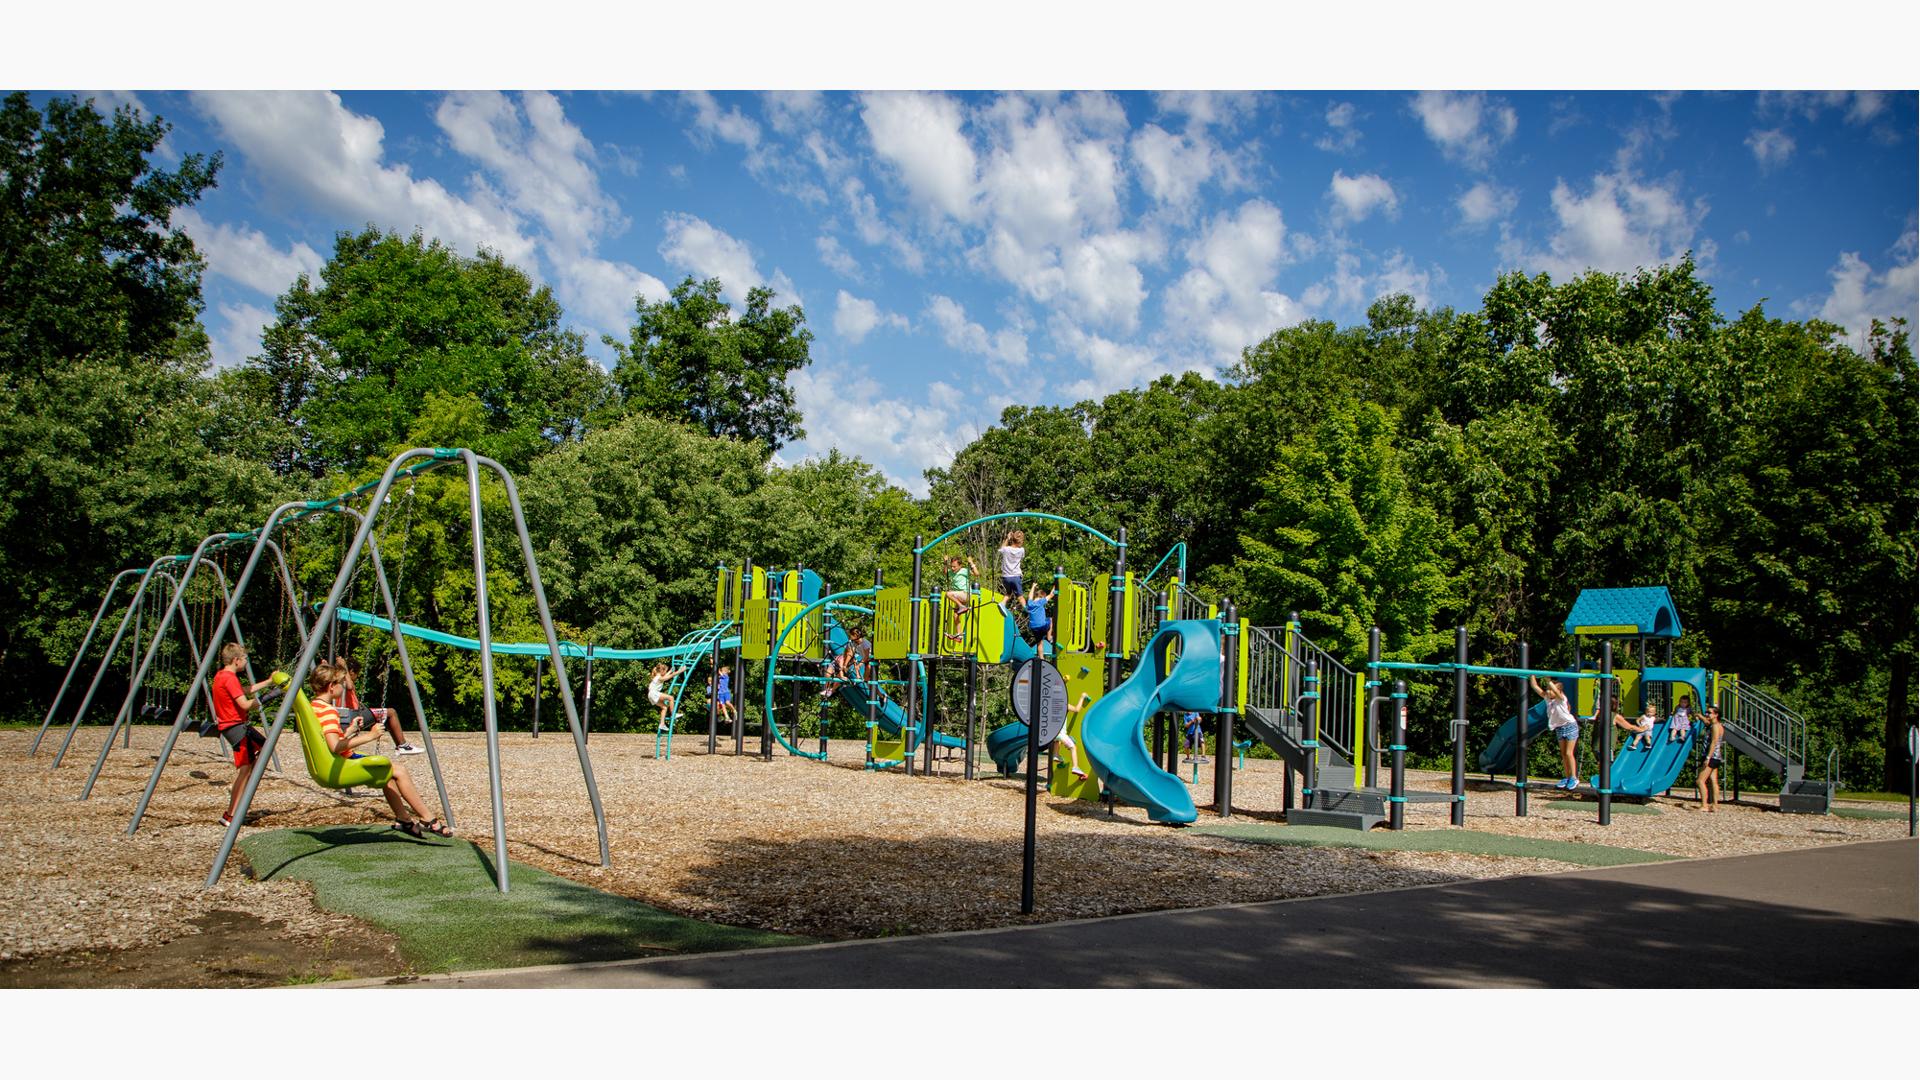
x: 567, y: 648
x: 1181, y: 548
x: 1476, y: 669
x: 1081, y: 525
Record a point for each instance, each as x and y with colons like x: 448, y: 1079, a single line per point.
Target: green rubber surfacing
x: 438, y: 897
x: 1462, y: 841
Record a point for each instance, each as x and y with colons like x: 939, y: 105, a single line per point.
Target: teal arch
x: 1081, y: 525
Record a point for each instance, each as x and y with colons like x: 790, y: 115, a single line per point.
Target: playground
x: 771, y: 826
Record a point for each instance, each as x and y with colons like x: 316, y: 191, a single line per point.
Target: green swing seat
x: 327, y: 768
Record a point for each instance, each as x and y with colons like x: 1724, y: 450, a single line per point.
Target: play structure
x: 1132, y: 658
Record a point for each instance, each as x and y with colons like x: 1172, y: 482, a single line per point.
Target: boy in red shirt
x: 231, y: 705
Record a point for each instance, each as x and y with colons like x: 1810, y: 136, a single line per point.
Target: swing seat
x: 325, y: 767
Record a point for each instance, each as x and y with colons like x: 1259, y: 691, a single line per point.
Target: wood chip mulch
x: 823, y: 849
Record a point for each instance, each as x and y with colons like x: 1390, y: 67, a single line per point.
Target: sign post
x: 1039, y: 695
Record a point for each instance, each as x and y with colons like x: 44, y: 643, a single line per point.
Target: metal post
x: 81, y: 653
x: 1520, y: 766
x: 773, y: 670
x: 1397, y: 749
x: 539, y: 677
x: 308, y: 652
x: 586, y: 694
x: 1367, y: 752
x: 1033, y: 788
x: 1223, y: 720
x: 488, y: 709
x: 713, y: 664
x: 106, y: 662
x: 1117, y: 616
x: 914, y: 704
x: 1459, y: 815
x: 826, y: 703
x: 1311, y: 725
x: 973, y: 686
x: 739, y: 665
x: 933, y: 714
x: 1603, y: 721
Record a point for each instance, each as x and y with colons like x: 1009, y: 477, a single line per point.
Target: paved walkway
x: 1842, y: 916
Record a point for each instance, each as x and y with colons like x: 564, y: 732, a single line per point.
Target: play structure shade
x: 1646, y: 611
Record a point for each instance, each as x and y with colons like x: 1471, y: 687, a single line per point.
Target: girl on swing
x: 387, y: 719
x: 331, y: 684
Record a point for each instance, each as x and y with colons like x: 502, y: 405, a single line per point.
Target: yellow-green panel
x: 886, y: 748
x: 1099, y: 610
x: 803, y: 640
x: 1629, y: 697
x: 1606, y: 631
x: 1245, y: 663
x: 1070, y: 623
x: 755, y: 638
x: 790, y: 584
x: 722, y: 594
x: 757, y: 588
x: 890, y: 623
x: 993, y: 628
x: 1086, y: 681
x: 1130, y: 636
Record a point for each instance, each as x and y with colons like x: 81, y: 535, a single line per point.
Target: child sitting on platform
x: 1641, y: 726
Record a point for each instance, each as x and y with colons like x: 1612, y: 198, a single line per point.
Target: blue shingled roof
x: 1649, y: 609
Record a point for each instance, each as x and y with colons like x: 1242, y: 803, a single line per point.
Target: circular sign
x: 1053, y: 698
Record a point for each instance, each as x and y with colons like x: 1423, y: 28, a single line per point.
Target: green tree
x: 349, y: 363
x: 690, y: 358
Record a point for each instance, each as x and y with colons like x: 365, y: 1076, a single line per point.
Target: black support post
x: 1603, y: 721
x: 1397, y: 753
x: 1459, y: 815
x: 914, y: 704
x: 1366, y: 735
x: 1520, y: 763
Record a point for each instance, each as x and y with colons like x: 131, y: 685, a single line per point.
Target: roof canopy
x: 1645, y: 611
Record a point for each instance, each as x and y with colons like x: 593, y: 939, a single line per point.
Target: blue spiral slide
x: 1112, y: 730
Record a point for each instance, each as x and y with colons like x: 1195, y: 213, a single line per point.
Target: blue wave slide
x: 1502, y: 754
x: 1112, y: 732
x: 1650, y: 771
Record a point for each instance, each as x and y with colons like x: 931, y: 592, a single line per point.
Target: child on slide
x: 1680, y: 723
x: 1641, y: 727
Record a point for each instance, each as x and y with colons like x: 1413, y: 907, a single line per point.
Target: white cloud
x: 245, y: 255
x: 874, y: 229
x: 729, y: 125
x: 1111, y: 365
x: 239, y: 334
x: 1468, y: 128
x: 1355, y: 198
x: 1341, y: 135
x: 1226, y: 299
x: 601, y: 292
x: 1044, y: 182
x: 847, y: 410
x: 790, y: 111
x: 1859, y: 294
x: 959, y: 332
x: 545, y: 164
x: 1485, y: 202
x: 1620, y: 225
x: 314, y: 150
x: 835, y: 258
x: 697, y: 247
x: 919, y: 135
x: 854, y: 318
x: 1172, y: 167
x: 1771, y: 148
x: 1206, y: 108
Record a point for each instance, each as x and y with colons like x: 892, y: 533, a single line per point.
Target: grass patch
x: 1860, y: 814
x: 1873, y: 796
x: 438, y: 897
x: 1457, y: 840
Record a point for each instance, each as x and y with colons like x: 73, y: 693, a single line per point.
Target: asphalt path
x: 1840, y: 916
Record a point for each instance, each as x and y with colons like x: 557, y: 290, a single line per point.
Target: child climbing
x: 960, y: 572
x: 722, y: 686
x: 1063, y: 745
x: 657, y: 690
x: 1565, y: 726
x: 1039, y: 628
x: 1012, y: 551
x: 851, y: 663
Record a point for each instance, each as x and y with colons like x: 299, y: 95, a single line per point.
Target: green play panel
x: 439, y: 898
x: 1458, y: 840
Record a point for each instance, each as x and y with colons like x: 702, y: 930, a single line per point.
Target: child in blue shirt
x: 1196, y: 741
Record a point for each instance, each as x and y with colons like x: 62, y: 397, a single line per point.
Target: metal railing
x: 1276, y: 665
x: 1766, y: 723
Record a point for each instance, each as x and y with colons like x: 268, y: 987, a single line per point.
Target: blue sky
x: 959, y: 252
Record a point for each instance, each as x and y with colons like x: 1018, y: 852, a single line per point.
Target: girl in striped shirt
x: 331, y: 683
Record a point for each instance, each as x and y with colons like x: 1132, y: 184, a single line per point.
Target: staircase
x: 1757, y: 726
x: 1275, y: 713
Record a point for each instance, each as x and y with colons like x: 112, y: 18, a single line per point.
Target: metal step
x: 1768, y: 758
x: 1806, y: 797
x: 1282, y: 734
x: 1337, y: 819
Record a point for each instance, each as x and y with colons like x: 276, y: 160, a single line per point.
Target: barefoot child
x: 723, y: 694
x: 1641, y: 726
x: 1680, y: 723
